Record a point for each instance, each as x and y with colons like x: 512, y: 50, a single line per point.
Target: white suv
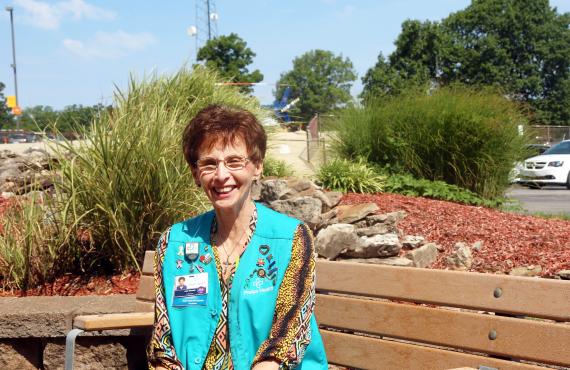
x: 550, y: 168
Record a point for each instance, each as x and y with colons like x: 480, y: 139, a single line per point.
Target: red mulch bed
x: 509, y: 240
x: 68, y: 284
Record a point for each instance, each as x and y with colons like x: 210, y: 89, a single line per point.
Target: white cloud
x: 41, y: 14
x: 107, y: 45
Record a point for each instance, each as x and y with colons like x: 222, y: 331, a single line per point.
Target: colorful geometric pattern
x: 219, y: 356
x: 160, y: 351
x: 291, y: 333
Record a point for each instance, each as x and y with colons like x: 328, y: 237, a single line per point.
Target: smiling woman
x: 249, y: 272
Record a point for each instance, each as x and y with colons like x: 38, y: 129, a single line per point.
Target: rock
x: 424, y: 255
x: 564, y: 274
x: 272, y: 190
x: 477, y: 246
x: 306, y: 209
x: 9, y: 172
x: 9, y: 187
x: 328, y: 218
x: 7, y: 154
x: 348, y: 214
x: 321, y: 196
x: 300, y: 184
x: 526, y: 271
x: 377, y: 229
x: 333, y: 240
x: 305, y: 193
x: 36, y: 150
x: 333, y: 198
x: 461, y: 259
x: 376, y: 219
x: 413, y: 242
x: 387, y: 245
x: 21, y: 355
x: 395, y: 217
x: 106, y: 354
x: 390, y: 261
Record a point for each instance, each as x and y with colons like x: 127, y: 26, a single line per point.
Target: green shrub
x: 350, y: 176
x: 121, y: 187
x: 276, y: 167
x: 463, y: 137
x: 129, y: 180
x: 408, y: 185
x: 29, y: 243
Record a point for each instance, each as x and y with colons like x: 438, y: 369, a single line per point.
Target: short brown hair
x: 221, y: 124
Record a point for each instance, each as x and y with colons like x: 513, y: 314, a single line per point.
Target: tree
x: 519, y: 46
x: 320, y: 80
x: 413, y: 64
x: 72, y: 118
x: 39, y: 117
x: 230, y: 56
x: 5, y: 115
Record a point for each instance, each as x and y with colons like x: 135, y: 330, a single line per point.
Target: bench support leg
x: 70, y: 347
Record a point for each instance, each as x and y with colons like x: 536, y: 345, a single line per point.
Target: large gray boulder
x: 273, y: 189
x: 424, y: 255
x: 375, y: 230
x: 335, y: 239
x: 413, y: 241
x: 348, y: 214
x: 461, y: 259
x: 387, y: 245
x: 306, y: 209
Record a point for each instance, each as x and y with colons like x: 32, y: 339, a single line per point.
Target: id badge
x: 190, y: 290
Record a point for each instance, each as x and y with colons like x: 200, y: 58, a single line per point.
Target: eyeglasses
x: 232, y: 163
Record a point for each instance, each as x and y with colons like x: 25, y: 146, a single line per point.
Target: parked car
x: 550, y: 168
x: 533, y: 150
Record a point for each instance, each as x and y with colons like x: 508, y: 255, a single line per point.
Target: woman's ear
x: 258, y: 171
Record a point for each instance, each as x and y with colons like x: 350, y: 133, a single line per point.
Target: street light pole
x: 11, y: 11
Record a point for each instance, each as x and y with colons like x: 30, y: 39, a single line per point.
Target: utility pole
x: 11, y: 11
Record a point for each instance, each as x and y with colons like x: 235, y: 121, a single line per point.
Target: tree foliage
x: 521, y: 46
x: 72, y: 118
x: 5, y: 115
x: 230, y: 56
x: 321, y: 81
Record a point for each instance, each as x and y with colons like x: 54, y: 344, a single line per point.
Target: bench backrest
x: 375, y: 316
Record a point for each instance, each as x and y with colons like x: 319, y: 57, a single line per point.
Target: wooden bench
x: 384, y: 317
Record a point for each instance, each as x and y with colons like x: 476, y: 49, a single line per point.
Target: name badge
x: 190, y: 290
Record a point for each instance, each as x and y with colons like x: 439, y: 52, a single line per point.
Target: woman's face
x: 227, y: 189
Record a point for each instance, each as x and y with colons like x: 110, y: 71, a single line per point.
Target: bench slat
x: 114, y: 321
x: 517, y: 338
x: 371, y: 353
x: 546, y: 298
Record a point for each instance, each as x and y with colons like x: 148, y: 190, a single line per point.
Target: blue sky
x: 79, y: 51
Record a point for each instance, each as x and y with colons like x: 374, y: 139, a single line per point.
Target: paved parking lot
x: 550, y: 199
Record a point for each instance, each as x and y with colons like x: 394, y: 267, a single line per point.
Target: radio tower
x: 206, y: 27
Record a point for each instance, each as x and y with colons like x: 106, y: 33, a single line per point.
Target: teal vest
x: 252, y: 297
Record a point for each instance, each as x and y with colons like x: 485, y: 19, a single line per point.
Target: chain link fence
x: 550, y: 134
